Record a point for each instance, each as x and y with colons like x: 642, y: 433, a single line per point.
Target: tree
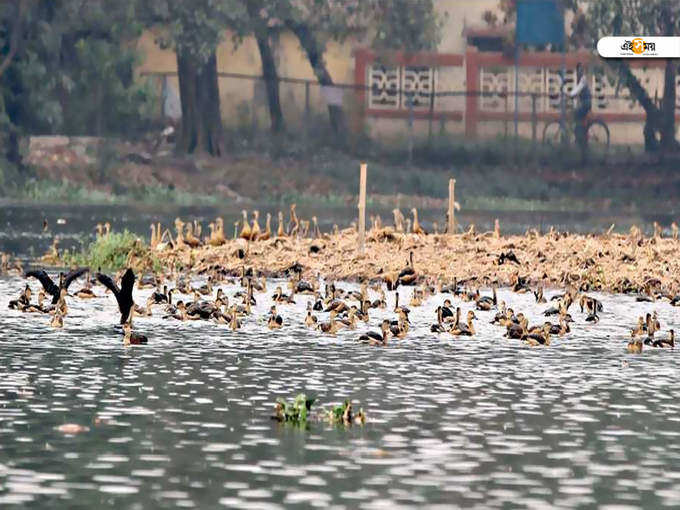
x: 652, y: 17
x: 408, y: 25
x: 598, y: 18
x: 261, y: 28
x: 194, y: 29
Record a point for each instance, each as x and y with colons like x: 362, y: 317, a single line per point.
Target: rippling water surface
x: 482, y: 422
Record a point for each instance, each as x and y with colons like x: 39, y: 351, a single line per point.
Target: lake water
x: 482, y: 422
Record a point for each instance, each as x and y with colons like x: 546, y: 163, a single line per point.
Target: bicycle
x: 559, y: 132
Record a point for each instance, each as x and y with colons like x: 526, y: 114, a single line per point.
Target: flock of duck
x: 345, y: 308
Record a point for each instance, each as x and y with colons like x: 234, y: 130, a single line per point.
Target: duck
x: 86, y: 291
x: 487, y: 303
x: 146, y: 311
x: 635, y: 346
x: 311, y: 320
x: 22, y: 301
x: 539, y: 338
x: 255, y: 231
x: 192, y: 240
x: 123, y: 294
x: 329, y: 327
x: 293, y: 224
x: 351, y: 321
x: 245, y: 230
x: 235, y: 323
x: 39, y: 308
x: 416, y: 228
x: 130, y: 337
x: 280, y: 297
x: 275, y: 321
x: 266, y: 235
x: 375, y: 338
x: 408, y: 276
x: 397, y: 308
x: 57, y: 321
x: 165, y: 296
x: 416, y: 299
x: 280, y: 231
x: 639, y: 329
x: 538, y: 294
x: 666, y: 342
x: 590, y: 304
x: 517, y: 331
x: 206, y: 289
x: 50, y: 287
x: 400, y: 327
x: 593, y: 318
x: 464, y: 329
x: 438, y: 327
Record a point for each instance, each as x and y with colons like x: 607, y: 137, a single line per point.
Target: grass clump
x: 110, y: 251
x: 296, y: 412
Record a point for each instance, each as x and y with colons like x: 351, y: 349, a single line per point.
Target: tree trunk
x: 201, y: 129
x: 314, y: 53
x: 668, y: 142
x: 271, y: 78
x: 653, y: 119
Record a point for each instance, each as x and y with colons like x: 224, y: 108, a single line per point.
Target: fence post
x: 410, y: 129
x: 362, y: 208
x: 307, y: 107
x: 533, y: 121
x: 451, y: 228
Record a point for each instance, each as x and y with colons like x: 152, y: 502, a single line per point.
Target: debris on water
x: 72, y: 428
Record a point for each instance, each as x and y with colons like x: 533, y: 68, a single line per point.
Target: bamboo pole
x: 452, y: 201
x: 362, y: 208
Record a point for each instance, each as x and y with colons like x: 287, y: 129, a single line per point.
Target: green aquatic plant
x: 296, y: 412
x: 343, y: 415
x: 110, y: 251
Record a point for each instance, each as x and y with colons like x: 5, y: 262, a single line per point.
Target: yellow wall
x: 243, y: 101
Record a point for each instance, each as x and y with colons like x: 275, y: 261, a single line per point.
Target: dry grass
x: 615, y: 263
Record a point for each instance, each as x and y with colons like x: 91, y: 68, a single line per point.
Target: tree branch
x: 15, y: 37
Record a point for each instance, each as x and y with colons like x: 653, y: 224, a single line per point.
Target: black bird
x: 64, y: 281
x: 123, y: 294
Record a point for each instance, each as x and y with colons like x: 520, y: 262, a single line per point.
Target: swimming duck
x: 64, y: 281
x: 123, y: 294
x: 275, y: 320
x: 517, y: 331
x: 635, y: 346
x: 39, y: 308
x: 57, y: 321
x: 538, y: 294
x: 162, y: 297
x: 329, y: 327
x: 463, y: 329
x: 486, y: 303
x: 310, y: 320
x: 542, y: 338
x: 374, y: 338
x: 408, y: 276
x: 666, y: 342
x: 400, y: 328
x: 280, y: 297
x: 22, y: 301
x: 438, y: 327
x: 351, y: 321
x: 86, y: 291
x: 397, y: 308
x: 130, y: 337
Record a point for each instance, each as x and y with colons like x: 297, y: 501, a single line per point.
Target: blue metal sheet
x: 540, y: 22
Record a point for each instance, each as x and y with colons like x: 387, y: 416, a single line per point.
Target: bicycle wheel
x: 554, y: 134
x: 598, y: 137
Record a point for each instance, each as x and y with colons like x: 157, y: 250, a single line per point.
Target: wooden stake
x: 362, y: 208
x: 452, y: 201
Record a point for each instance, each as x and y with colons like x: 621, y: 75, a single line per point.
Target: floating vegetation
x: 343, y: 415
x: 296, y: 412
x: 114, y: 250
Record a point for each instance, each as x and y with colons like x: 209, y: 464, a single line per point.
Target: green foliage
x: 109, y: 251
x: 343, y: 415
x: 296, y: 412
x: 72, y: 72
